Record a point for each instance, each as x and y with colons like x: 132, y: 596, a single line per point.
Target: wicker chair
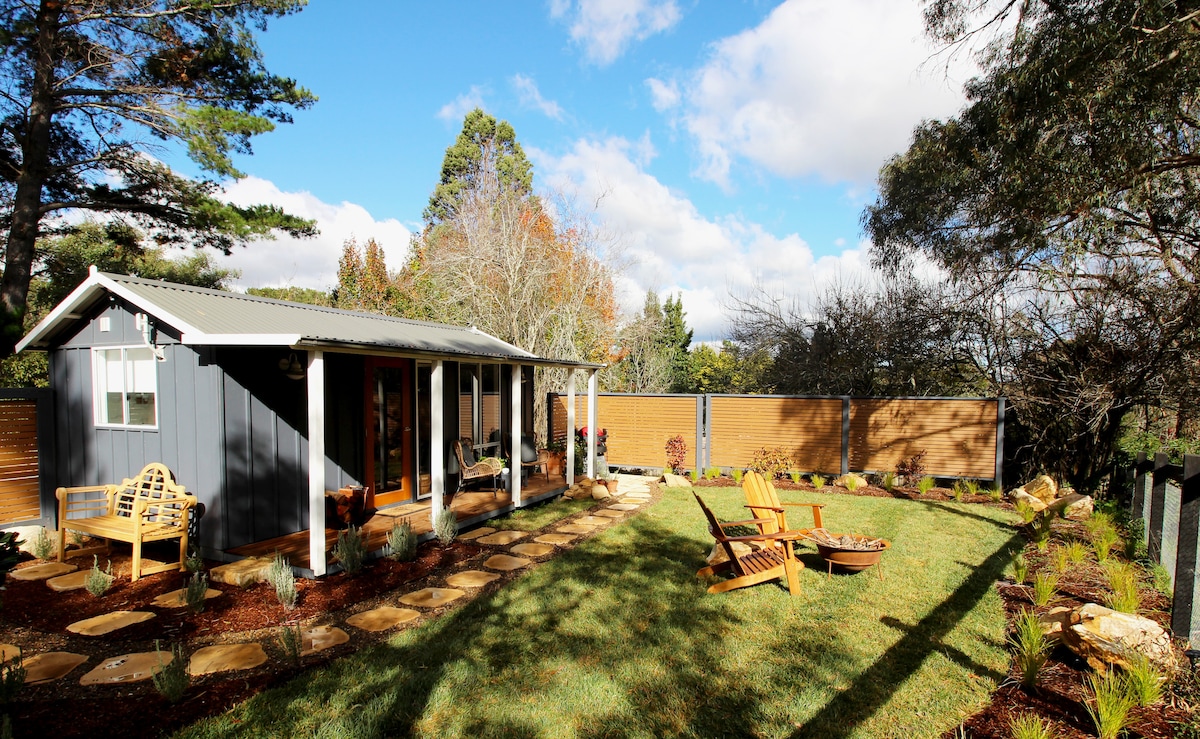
x: 471, y: 469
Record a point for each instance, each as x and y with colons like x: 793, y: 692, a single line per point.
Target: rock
x: 1057, y: 620
x: 1016, y: 495
x: 1103, y: 637
x: 1074, y: 506
x: 672, y: 480
x: 860, y: 481
x: 599, y: 492
x: 1042, y: 488
x: 242, y: 573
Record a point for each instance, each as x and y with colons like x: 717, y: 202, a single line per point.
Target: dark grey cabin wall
x: 345, y: 426
x: 187, y: 438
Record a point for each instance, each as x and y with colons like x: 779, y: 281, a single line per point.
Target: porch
x: 470, y: 507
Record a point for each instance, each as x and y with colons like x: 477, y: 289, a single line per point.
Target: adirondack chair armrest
x: 747, y: 522
x: 816, y: 512
x: 778, y: 536
x: 757, y: 507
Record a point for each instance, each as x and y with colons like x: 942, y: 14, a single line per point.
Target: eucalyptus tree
x: 90, y: 88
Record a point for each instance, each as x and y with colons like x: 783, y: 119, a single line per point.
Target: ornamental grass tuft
x: 1045, y: 584
x: 925, y: 484
x: 1030, y: 647
x: 817, y: 481
x: 1109, y: 705
x: 1030, y: 726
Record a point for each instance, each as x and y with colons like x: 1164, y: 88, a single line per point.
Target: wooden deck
x: 470, y: 508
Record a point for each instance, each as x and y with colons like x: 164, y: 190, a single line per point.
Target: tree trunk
x: 35, y: 165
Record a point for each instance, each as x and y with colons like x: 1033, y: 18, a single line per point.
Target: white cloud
x: 308, y: 262
x: 663, y: 95
x: 605, y: 28
x: 829, y: 88
x: 674, y: 249
x: 457, y: 109
x: 531, y: 96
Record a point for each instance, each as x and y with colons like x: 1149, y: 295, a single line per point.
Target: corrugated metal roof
x: 204, y: 316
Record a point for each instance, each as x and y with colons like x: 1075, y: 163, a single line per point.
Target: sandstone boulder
x: 860, y: 481
x: 1018, y: 494
x: 1074, y: 506
x: 1056, y: 621
x: 1043, y: 488
x: 1104, y: 637
x: 600, y: 492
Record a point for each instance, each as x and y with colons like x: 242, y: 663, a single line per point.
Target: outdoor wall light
x: 292, y: 367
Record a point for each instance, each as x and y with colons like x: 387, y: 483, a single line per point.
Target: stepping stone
x: 632, y: 501
x: 471, y: 579
x: 128, y: 668
x: 432, y: 597
x: 532, y: 550
x: 505, y: 563
x: 178, y: 598
x: 620, y: 507
x: 9, y: 651
x: 476, y: 533
x: 609, y: 513
x: 321, y: 637
x: 109, y: 622
x: 43, y: 668
x: 637, y: 495
x: 72, y: 581
x: 577, y: 528
x: 43, y: 571
x: 502, y: 537
x: 558, y: 539
x: 241, y: 573
x: 382, y: 618
x: 594, y: 520
x: 226, y: 657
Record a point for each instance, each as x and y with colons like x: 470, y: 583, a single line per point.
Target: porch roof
x: 215, y: 317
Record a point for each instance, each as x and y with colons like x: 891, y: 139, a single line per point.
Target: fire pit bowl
x: 851, y: 553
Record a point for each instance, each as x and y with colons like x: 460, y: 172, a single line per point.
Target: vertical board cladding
x: 20, y: 493
x: 345, y: 424
x: 957, y: 436
x: 809, y: 430
x: 638, y: 426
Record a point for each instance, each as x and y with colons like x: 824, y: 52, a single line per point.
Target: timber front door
x: 390, y: 437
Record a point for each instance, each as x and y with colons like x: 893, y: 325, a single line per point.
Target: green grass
x: 617, y: 637
x: 544, y: 514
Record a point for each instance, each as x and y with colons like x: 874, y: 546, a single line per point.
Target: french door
x: 389, y: 397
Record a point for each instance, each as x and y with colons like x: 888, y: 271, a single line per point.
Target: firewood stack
x: 852, y: 542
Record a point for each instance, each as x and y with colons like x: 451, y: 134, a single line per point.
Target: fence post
x: 1000, y: 412
x: 1158, y: 505
x: 845, y: 434
x: 1141, y: 489
x: 699, y: 436
x: 1183, y: 616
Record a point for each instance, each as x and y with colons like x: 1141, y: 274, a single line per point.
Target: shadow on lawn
x: 653, y: 653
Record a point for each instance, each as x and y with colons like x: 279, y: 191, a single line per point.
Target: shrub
x: 1044, y: 586
x: 817, y: 481
x: 445, y: 525
x: 279, y: 574
x: 291, y: 641
x: 925, y: 484
x: 351, y: 549
x: 194, y: 562
x: 1029, y: 726
x: 43, y: 544
x: 1030, y: 647
x: 913, y: 466
x: 12, y: 678
x: 888, y: 481
x: 712, y: 473
x: 10, y: 553
x: 676, y: 453
x: 171, y: 679
x: 1143, y: 681
x: 771, y: 463
x: 1109, y: 705
x: 737, y: 476
x: 197, y: 589
x: 401, y: 541
x: 98, y: 581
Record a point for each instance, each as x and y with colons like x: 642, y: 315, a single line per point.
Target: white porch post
x: 570, y: 427
x: 316, y: 462
x: 514, y: 464
x: 593, y: 430
x: 437, y: 434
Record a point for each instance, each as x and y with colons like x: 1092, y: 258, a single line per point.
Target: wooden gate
x: 21, y: 456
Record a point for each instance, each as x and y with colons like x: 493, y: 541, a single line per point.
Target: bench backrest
x: 154, y: 483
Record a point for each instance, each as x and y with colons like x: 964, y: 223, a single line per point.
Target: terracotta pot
x: 557, y: 463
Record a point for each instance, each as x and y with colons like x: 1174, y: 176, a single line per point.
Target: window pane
x: 141, y: 369
x: 110, y: 386
x: 141, y: 409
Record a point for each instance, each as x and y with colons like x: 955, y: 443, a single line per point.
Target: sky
x: 726, y: 147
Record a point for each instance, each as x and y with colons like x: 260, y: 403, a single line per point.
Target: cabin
x: 262, y: 408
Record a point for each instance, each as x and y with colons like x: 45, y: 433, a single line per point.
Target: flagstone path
x: 633, y: 492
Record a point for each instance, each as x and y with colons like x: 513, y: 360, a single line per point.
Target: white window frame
x: 100, y: 386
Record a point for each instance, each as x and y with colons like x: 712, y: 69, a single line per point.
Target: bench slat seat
x: 149, y: 507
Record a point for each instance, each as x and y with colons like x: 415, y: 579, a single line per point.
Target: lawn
x: 617, y: 637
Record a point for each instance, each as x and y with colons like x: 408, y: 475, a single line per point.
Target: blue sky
x: 730, y: 143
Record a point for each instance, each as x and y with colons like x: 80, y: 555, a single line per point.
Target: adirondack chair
x: 758, y: 566
x: 471, y: 469
x: 763, y: 501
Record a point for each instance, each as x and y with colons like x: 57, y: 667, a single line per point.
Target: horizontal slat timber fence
x: 638, y: 426
x: 1166, y: 501
x: 23, y: 456
x: 960, y: 437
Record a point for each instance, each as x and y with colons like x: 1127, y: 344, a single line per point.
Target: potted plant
x: 557, y: 464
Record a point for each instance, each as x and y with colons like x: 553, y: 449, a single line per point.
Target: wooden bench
x: 149, y: 507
